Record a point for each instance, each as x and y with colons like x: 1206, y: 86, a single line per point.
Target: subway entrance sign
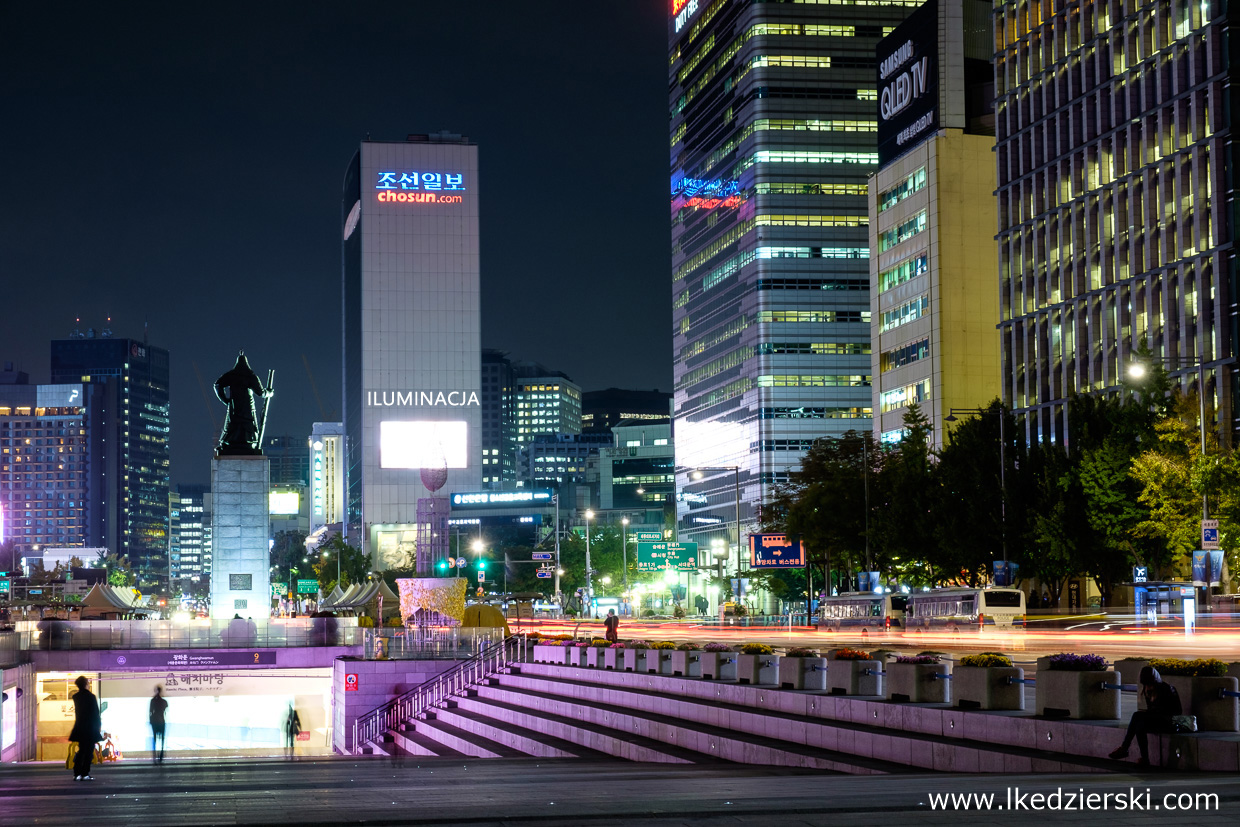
x: 660, y: 556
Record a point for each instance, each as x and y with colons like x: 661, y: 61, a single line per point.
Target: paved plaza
x: 538, y: 791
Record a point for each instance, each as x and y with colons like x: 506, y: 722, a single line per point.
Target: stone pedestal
x: 240, y: 533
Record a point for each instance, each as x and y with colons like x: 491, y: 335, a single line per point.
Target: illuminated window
x: 913, y: 183
x: 903, y: 232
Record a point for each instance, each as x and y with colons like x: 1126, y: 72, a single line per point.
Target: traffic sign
x: 307, y: 586
x: 660, y: 556
x: 541, y: 555
x: 479, y: 591
x: 543, y: 574
x: 5, y: 585
x: 460, y: 562
x: 775, y: 551
x: 482, y: 576
x: 1209, y: 535
x: 649, y: 536
x: 451, y: 562
x: 350, y: 682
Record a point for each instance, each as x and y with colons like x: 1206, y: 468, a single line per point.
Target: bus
x: 963, y: 608
x: 861, y: 610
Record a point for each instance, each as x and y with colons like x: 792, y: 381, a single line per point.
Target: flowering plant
x: 599, y: 643
x: 851, y: 654
x: 636, y: 644
x: 986, y: 660
x: 1199, y: 668
x: 917, y: 659
x: 1071, y: 662
x: 583, y: 644
x: 756, y: 649
x: 716, y: 647
x: 801, y: 652
x: 688, y: 646
x: 663, y: 644
x: 615, y: 646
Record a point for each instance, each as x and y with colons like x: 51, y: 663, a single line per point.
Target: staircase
x: 549, y: 711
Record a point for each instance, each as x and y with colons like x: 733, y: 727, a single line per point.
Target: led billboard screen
x: 283, y: 502
x: 423, y: 444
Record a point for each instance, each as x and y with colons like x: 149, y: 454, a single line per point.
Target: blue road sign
x: 543, y: 575
x: 541, y: 555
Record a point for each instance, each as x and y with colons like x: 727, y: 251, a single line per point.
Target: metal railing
x: 454, y: 681
x: 435, y: 643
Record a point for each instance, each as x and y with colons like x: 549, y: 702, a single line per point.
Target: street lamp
x: 735, y: 469
x: 1002, y: 414
x: 624, y: 550
x: 589, y: 586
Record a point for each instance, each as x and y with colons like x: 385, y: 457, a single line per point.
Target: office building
x: 53, y: 486
x: 135, y: 377
x: 637, y: 473
x: 193, y: 533
x: 603, y: 410
x: 499, y: 419
x: 935, y: 295
x: 548, y: 402
x: 411, y: 362
x: 327, y: 492
x: 290, y: 464
x: 174, y: 538
x: 773, y: 135
x: 1114, y: 158
x: 552, y: 460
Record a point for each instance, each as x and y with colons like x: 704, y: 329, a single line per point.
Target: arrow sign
x: 543, y: 574
x: 541, y: 555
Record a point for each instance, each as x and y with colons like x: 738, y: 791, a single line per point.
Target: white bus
x: 962, y: 608
x: 861, y: 610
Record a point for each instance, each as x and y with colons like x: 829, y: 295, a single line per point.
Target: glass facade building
x: 773, y: 134
x: 134, y: 498
x: 409, y: 231
x: 1116, y: 210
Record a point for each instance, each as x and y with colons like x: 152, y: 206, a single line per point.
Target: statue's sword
x: 262, y: 431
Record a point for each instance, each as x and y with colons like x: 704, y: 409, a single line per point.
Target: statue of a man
x: 237, y: 389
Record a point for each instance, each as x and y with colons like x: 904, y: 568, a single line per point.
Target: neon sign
x: 707, y: 194
x: 420, y: 187
x: 683, y: 10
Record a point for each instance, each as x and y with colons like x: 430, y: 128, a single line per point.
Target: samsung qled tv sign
x: 908, y: 83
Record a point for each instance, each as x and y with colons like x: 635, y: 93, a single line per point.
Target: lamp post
x: 736, y: 470
x: 589, y: 585
x: 1002, y: 414
x: 624, y: 550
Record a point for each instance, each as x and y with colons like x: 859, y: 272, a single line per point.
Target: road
x: 563, y: 791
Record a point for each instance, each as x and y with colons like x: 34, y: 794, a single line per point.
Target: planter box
x: 613, y: 658
x: 1130, y: 672
x: 987, y: 687
x: 757, y: 669
x: 688, y: 664
x: 917, y: 683
x: 1077, y: 694
x: 549, y: 654
x: 803, y: 673
x: 1199, y: 696
x: 575, y: 656
x: 854, y: 677
x: 635, y: 660
x: 594, y: 657
x: 655, y: 659
x: 720, y: 666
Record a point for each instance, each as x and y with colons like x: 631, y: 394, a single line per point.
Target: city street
x: 540, y: 791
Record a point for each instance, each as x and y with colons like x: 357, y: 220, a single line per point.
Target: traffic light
x: 482, y: 564
x: 443, y: 565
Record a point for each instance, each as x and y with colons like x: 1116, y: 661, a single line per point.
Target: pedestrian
x: 292, y: 728
x: 1162, y: 704
x: 158, y: 707
x: 612, y: 625
x: 86, y: 729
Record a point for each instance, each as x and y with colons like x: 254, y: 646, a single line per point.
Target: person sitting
x: 1162, y: 704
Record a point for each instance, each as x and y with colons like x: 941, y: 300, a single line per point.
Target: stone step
x: 462, y: 715
x: 764, y: 711
x: 411, y: 742
x: 718, y: 742
x: 463, y: 741
x: 598, y: 738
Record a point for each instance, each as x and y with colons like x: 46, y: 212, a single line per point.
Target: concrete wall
x: 24, y: 708
x: 378, y: 681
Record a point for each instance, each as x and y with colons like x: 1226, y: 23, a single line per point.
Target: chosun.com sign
x: 420, y: 187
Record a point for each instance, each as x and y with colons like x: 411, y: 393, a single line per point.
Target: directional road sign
x: 1209, y: 535
x: 541, y: 555
x: 660, y: 556
x: 649, y: 537
x: 307, y: 586
x: 543, y: 574
x: 460, y: 562
x: 482, y: 576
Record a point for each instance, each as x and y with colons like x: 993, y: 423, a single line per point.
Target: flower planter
x: 1199, y: 696
x: 1064, y: 694
x: 803, y: 673
x: 635, y: 660
x: 757, y: 669
x: 594, y: 657
x: 575, y: 656
x: 719, y: 666
x: 919, y: 683
x: 854, y: 677
x: 613, y: 658
x: 549, y: 654
x: 659, y: 661
x: 688, y: 664
x: 988, y: 687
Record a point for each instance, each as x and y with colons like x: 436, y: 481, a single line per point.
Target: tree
x: 288, y: 550
x: 354, y: 566
x: 904, y: 492
x: 1058, y: 524
x: 119, y: 571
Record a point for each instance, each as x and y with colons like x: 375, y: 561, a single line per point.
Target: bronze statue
x: 243, y: 432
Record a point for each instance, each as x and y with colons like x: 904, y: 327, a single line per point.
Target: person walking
x: 612, y: 624
x: 292, y: 728
x: 158, y: 707
x: 1162, y: 704
x: 86, y: 729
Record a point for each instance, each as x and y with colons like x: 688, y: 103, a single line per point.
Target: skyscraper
x: 135, y: 499
x: 409, y: 230
x: 327, y: 490
x: 1115, y: 171
x: 773, y: 133
x: 499, y: 418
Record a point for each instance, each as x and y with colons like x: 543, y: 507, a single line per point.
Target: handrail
x: 418, y: 700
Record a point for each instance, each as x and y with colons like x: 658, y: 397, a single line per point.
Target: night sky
x: 180, y: 167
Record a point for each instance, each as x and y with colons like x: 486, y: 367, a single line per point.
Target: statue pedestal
x: 240, y: 532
